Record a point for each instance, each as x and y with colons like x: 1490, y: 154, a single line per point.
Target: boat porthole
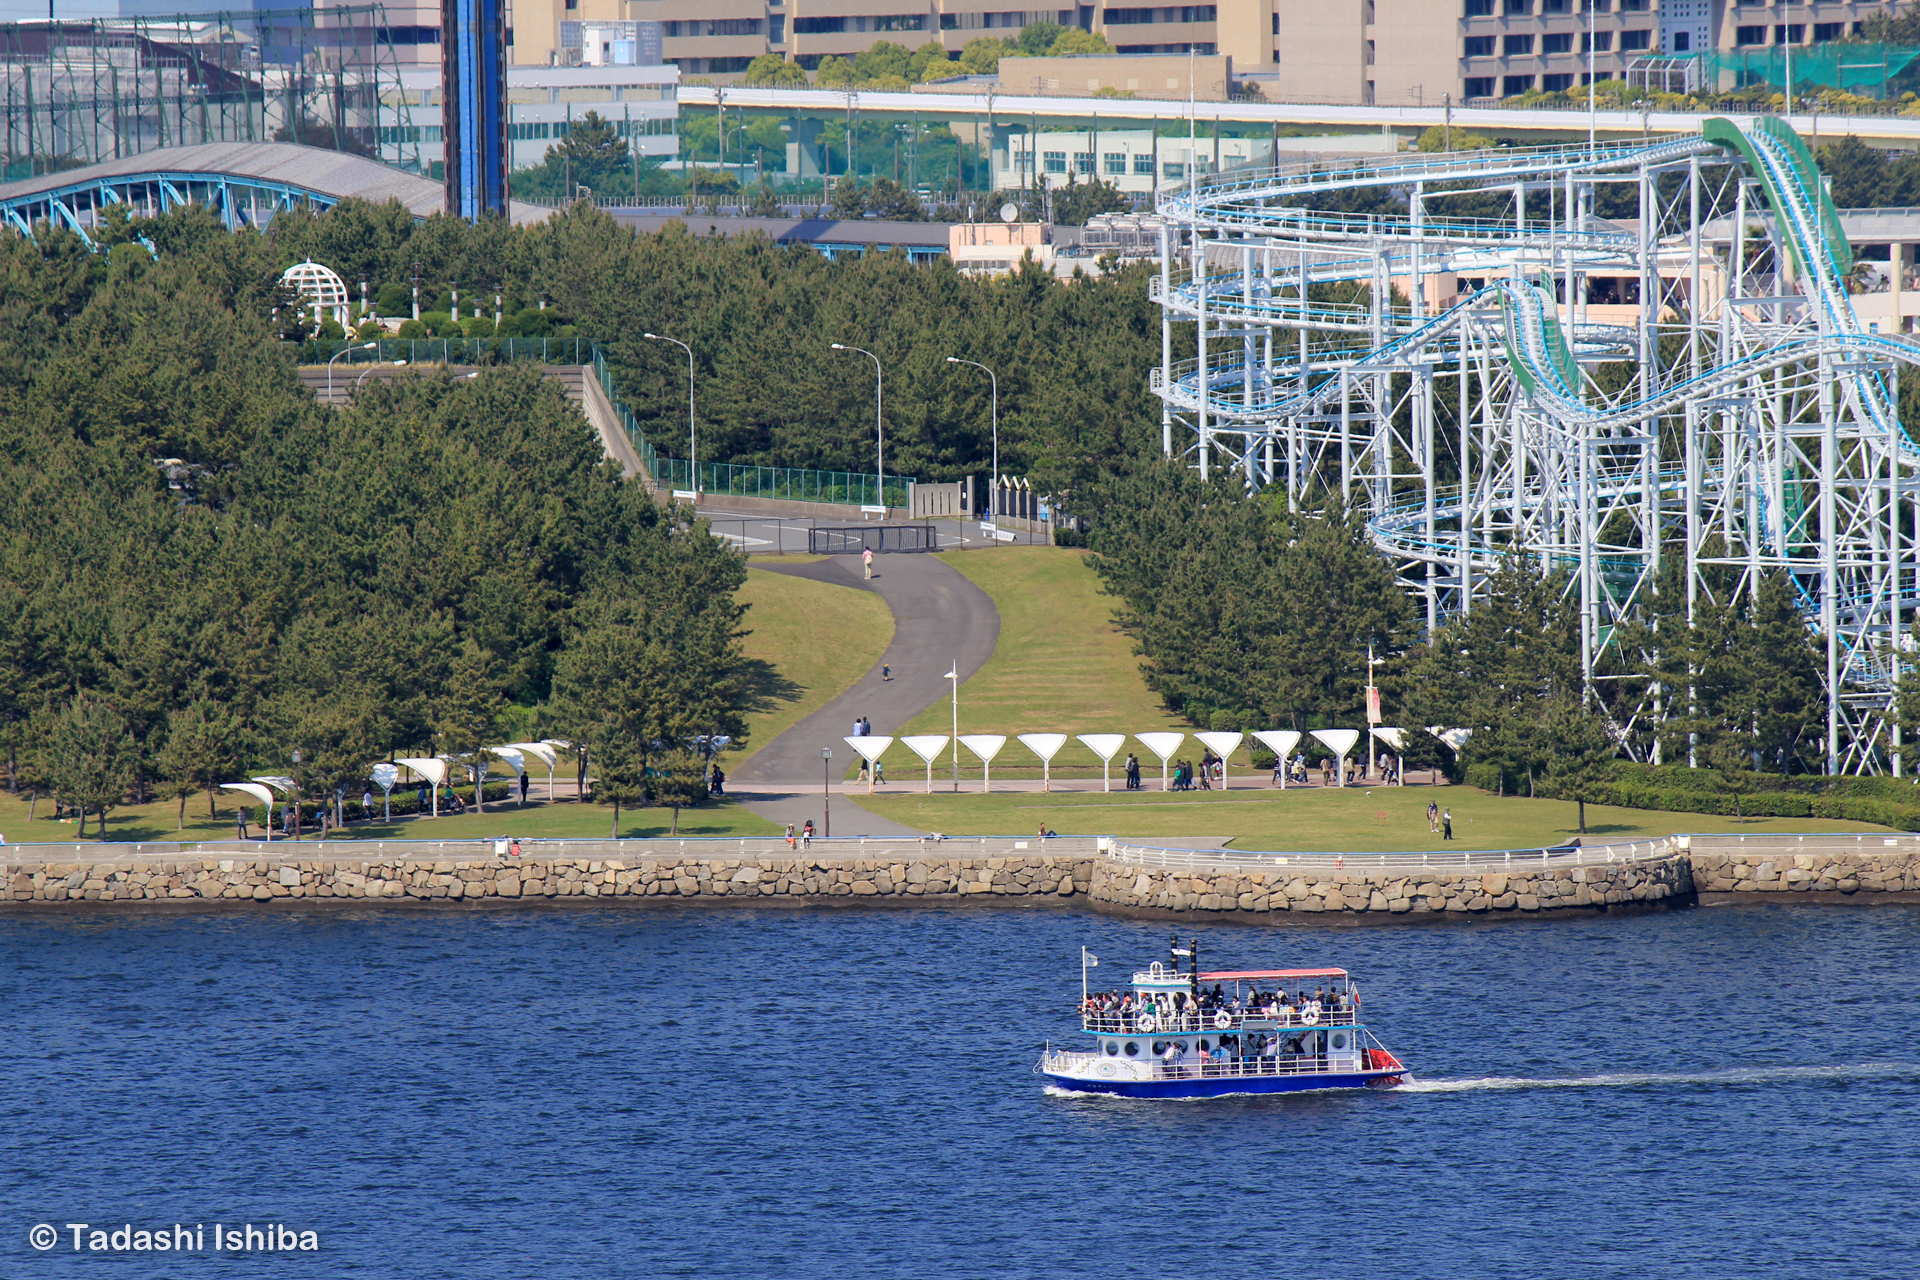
x: 1159, y: 1047
x: 1113, y: 1048
x: 1133, y: 1048
x: 1204, y: 1046
x: 1339, y: 1039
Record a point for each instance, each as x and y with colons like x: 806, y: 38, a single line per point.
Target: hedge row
x: 1879, y: 800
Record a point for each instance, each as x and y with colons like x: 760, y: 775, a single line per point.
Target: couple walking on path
x: 1440, y: 820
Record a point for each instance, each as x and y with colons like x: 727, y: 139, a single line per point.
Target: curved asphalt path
x: 939, y: 618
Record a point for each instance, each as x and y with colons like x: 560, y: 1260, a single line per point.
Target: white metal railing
x: 1225, y: 1022
x: 1787, y: 843
x: 837, y: 848
x: 1490, y: 860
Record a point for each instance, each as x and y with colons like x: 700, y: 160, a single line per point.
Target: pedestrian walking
x: 1446, y: 824
x: 866, y: 563
x: 886, y: 671
x: 806, y: 835
x: 1433, y: 816
x: 523, y: 787
x: 240, y: 823
x: 1133, y: 772
x: 366, y: 803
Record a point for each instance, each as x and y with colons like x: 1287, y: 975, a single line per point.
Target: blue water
x: 1725, y: 1092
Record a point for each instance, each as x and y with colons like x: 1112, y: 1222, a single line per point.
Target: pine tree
x: 88, y: 756
x: 1578, y: 748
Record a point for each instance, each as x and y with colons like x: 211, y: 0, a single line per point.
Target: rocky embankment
x: 1134, y: 890
x: 476, y: 880
x: 1079, y: 872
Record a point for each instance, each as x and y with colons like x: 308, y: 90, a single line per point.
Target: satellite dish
x: 1009, y: 212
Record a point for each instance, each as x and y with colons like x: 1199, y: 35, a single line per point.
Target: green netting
x: 1858, y: 68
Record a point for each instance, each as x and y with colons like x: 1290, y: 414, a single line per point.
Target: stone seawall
x: 477, y: 880
x: 1078, y: 872
x: 1867, y: 877
x: 1262, y: 895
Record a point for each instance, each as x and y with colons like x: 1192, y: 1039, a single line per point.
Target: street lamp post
x: 879, y: 425
x: 826, y: 792
x: 993, y: 484
x: 398, y: 364
x: 336, y: 355
x: 954, y: 675
x: 693, y: 453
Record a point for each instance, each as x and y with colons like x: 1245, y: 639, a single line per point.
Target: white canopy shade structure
x: 1223, y: 745
x: 1340, y: 742
x: 1106, y: 746
x: 513, y: 756
x: 284, y: 786
x: 258, y: 792
x: 433, y: 769
x: 927, y: 746
x: 546, y: 753
x: 384, y: 775
x: 1162, y: 745
x: 871, y: 747
x: 986, y: 746
x: 1395, y: 740
x: 1281, y: 742
x: 558, y: 745
x: 1454, y: 738
x: 1046, y: 746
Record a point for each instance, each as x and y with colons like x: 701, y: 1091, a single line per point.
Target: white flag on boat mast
x: 1089, y: 959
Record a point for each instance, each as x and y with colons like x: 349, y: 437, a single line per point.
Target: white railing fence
x: 1485, y: 860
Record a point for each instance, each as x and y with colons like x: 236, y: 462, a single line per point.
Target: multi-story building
x: 542, y: 103
x: 1412, y: 51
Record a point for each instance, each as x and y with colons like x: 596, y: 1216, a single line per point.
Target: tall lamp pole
x: 693, y: 455
x: 336, y: 355
x: 993, y: 485
x: 879, y: 425
x: 954, y: 675
x: 826, y: 792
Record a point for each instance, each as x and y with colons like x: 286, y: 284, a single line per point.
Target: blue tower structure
x: 473, y: 79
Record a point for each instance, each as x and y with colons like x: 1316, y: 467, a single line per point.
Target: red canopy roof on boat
x: 1274, y: 973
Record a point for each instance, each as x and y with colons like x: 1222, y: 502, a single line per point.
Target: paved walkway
x: 940, y: 618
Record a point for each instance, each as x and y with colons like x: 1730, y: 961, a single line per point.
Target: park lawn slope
x: 1061, y: 665
x: 808, y: 641
x: 1358, y: 820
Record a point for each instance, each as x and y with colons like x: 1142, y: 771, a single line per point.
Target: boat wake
x: 1654, y: 1079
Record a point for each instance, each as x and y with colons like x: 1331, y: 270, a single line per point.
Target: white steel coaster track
x: 1472, y: 431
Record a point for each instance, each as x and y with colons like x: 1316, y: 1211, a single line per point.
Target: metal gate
x: 877, y: 538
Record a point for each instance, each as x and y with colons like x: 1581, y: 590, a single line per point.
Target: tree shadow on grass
x: 768, y: 688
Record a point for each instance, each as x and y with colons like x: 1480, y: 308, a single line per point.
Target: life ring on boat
x: 1310, y: 1014
x: 1222, y: 1020
x: 1144, y: 1023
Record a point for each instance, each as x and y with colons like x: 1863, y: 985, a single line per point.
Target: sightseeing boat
x: 1189, y: 1034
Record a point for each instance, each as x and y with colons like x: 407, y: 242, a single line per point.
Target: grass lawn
x: 565, y: 819
x: 1379, y: 820
x: 1060, y: 666
x: 810, y: 640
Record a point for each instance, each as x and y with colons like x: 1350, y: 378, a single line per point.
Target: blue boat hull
x: 1224, y: 1086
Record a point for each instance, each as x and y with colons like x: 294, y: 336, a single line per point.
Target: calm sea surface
x: 843, y: 1093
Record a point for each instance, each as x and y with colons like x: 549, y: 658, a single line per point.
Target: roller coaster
x: 1453, y: 379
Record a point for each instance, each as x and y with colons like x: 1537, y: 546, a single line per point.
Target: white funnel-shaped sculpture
x: 1395, y: 741
x: 986, y: 746
x: 1223, y: 745
x: 1281, y: 742
x: 434, y: 770
x: 545, y: 753
x: 1106, y: 746
x: 927, y: 746
x: 1338, y: 741
x: 1046, y: 746
x: 1454, y: 738
x: 1162, y: 745
x: 258, y: 792
x: 871, y: 747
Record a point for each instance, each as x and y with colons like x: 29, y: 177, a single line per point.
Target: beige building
x: 1347, y: 51
x: 1149, y: 75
